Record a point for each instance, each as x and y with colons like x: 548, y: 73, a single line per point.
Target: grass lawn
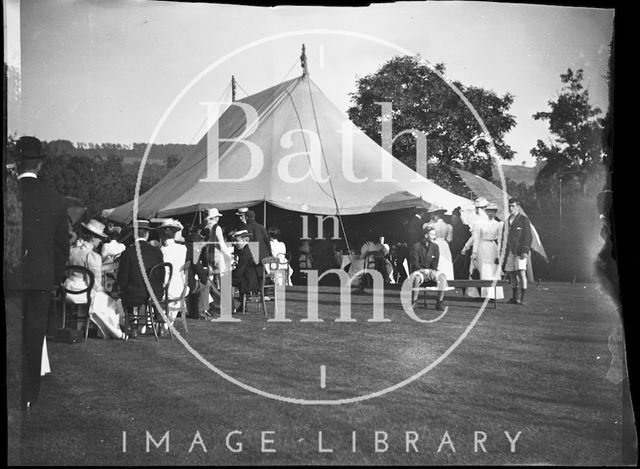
x: 541, y: 371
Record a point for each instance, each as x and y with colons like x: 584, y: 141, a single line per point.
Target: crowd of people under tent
x: 210, y: 251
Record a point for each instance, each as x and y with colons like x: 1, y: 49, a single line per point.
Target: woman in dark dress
x: 461, y: 233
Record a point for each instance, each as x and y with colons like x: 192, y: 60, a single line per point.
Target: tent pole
x: 264, y: 213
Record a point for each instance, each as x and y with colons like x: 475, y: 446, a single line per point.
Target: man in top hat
x: 45, y: 248
x: 246, y: 276
x: 519, y: 238
x: 133, y: 290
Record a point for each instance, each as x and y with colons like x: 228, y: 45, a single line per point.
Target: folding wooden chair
x: 182, y: 299
x: 276, y: 272
x: 89, y: 279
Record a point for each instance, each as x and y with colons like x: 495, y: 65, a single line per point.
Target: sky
x: 107, y: 71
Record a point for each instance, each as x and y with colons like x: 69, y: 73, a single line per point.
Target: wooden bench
x: 453, y: 284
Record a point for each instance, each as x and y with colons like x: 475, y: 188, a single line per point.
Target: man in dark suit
x: 519, y: 239
x: 245, y: 276
x: 423, y: 265
x: 259, y: 235
x: 414, y: 227
x: 133, y: 290
x: 45, y: 249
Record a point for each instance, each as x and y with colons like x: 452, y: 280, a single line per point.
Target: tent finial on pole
x: 233, y: 88
x: 303, y: 62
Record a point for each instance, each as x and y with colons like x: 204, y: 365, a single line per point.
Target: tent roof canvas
x: 299, y: 133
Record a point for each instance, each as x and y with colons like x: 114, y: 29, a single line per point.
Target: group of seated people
x: 119, y: 290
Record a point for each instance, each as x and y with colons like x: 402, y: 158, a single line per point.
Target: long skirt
x: 105, y: 313
x: 488, y: 269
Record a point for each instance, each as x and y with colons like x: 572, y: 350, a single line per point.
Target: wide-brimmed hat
x: 242, y: 211
x: 95, y: 227
x: 435, y: 211
x: 481, y: 202
x: 213, y: 212
x: 30, y: 148
x: 491, y: 206
x: 171, y: 224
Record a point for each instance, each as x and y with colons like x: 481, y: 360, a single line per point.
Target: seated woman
x: 103, y: 309
x: 111, y: 250
x: 279, y: 249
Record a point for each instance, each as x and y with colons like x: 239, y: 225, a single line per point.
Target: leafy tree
x: 421, y: 100
x: 574, y: 152
x: 171, y: 161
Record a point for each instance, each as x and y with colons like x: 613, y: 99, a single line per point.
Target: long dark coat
x: 133, y: 290
x: 45, y: 235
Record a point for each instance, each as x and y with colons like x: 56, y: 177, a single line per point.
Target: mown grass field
x: 544, y: 370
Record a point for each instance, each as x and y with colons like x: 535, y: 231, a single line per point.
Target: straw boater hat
x: 213, y: 212
x: 491, y: 206
x: 95, y: 227
x: 481, y: 202
x: 239, y: 233
x: 142, y: 224
x: 242, y: 211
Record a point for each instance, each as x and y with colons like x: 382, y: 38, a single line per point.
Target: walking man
x: 519, y: 240
x: 45, y: 249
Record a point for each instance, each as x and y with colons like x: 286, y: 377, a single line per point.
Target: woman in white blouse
x: 487, y: 242
x: 176, y: 254
x: 444, y: 235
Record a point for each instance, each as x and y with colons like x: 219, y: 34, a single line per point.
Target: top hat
x: 213, y: 212
x: 242, y: 211
x: 30, y: 147
x: 95, y: 227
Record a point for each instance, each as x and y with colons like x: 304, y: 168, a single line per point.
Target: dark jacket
x: 45, y: 235
x: 414, y: 230
x: 246, y: 276
x: 260, y: 236
x: 519, y: 237
x: 133, y: 290
x: 424, y: 256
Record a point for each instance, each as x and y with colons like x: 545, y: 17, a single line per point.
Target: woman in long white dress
x: 444, y: 235
x: 279, y: 249
x: 103, y: 310
x: 176, y: 255
x: 487, y: 239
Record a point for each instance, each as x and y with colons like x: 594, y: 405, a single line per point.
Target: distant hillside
x: 130, y: 153
x: 518, y: 173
